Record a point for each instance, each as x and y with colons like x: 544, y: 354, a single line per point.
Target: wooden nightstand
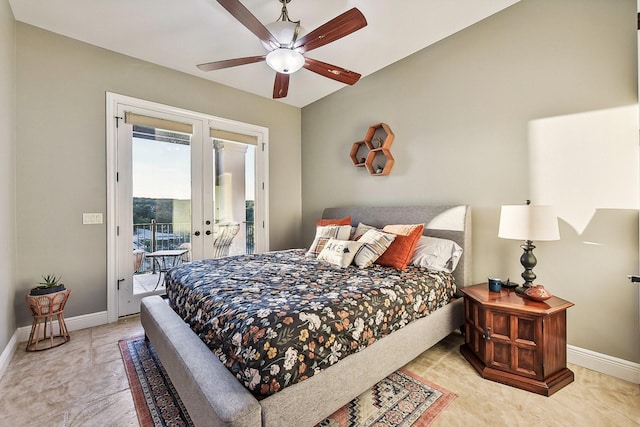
x: 516, y: 341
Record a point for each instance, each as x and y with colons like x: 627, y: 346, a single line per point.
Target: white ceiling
x: 179, y: 34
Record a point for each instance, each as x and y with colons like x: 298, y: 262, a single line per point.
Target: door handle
x: 197, y: 233
x: 487, y: 335
x: 208, y: 232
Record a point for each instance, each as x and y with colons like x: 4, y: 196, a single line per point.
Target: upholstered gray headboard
x: 448, y: 222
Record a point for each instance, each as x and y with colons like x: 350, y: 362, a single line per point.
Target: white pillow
x: 436, y: 254
x: 324, y: 233
x: 339, y: 252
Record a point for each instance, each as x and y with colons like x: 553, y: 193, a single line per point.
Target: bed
x: 214, y: 396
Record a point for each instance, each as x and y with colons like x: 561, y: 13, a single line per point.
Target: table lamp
x: 528, y: 222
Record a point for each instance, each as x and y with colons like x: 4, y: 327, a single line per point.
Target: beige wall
x: 474, y: 116
x: 7, y: 173
x: 61, y: 85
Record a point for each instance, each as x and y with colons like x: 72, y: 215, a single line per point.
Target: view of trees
x: 249, y: 210
x: 145, y: 209
x: 164, y: 210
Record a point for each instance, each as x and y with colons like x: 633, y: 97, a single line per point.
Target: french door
x: 185, y: 189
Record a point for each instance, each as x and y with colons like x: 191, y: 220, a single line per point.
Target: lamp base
x: 521, y: 289
x: 528, y: 261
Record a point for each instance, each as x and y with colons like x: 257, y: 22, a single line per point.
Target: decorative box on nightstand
x: 516, y: 341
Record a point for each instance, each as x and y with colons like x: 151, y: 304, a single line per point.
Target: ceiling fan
x: 285, y: 47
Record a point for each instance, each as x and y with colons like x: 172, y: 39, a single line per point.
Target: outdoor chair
x: 223, y: 234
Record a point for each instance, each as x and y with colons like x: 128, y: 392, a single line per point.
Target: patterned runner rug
x: 401, y: 399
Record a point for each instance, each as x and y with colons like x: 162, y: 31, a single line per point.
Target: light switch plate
x: 92, y: 218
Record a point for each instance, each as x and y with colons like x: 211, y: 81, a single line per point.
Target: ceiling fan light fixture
x: 286, y: 43
x: 285, y: 61
x: 286, y: 32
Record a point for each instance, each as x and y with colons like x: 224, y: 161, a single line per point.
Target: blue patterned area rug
x: 402, y: 399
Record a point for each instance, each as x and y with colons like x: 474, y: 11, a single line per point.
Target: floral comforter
x: 278, y: 318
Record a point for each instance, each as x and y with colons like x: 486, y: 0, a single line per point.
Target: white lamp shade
x: 528, y: 222
x: 285, y: 60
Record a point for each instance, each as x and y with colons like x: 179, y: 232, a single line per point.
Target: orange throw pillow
x: 399, y: 254
x: 334, y: 221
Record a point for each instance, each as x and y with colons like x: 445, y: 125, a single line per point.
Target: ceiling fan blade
x: 281, y: 86
x: 246, y: 18
x: 340, y: 26
x: 331, y: 71
x: 227, y: 63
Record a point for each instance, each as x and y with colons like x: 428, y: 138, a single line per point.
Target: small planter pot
x: 45, y: 291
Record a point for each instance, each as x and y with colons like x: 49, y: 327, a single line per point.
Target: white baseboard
x: 8, y: 352
x: 609, y: 365
x: 73, y: 324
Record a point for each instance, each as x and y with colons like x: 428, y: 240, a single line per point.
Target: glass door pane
x: 234, y: 200
x: 161, y: 205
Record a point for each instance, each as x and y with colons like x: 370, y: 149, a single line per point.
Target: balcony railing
x: 156, y: 236
x: 250, y: 237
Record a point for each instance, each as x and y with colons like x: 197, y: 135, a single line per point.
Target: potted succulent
x: 50, y: 284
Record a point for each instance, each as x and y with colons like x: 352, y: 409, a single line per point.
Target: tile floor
x: 83, y: 383
x: 147, y: 282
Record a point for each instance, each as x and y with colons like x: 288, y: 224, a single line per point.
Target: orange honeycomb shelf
x: 374, y: 152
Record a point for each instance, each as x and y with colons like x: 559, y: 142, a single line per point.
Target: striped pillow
x: 324, y: 233
x: 375, y: 243
x: 360, y: 230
